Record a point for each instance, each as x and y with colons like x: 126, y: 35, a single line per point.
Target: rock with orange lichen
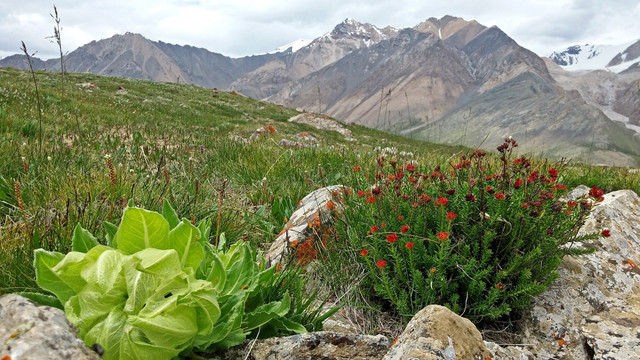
x: 592, y: 311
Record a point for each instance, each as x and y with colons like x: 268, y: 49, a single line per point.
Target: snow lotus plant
x: 158, y: 288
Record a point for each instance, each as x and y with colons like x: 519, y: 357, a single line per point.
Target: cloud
x: 245, y: 27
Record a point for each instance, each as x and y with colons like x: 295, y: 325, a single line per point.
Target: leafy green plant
x: 159, y: 289
x: 481, y: 238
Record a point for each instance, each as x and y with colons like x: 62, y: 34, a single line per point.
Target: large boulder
x: 435, y: 333
x: 319, y: 345
x: 593, y: 310
x: 29, y: 331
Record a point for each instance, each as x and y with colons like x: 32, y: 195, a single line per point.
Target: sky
x: 240, y: 27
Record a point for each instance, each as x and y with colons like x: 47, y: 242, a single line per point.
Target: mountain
x: 615, y: 58
x: 132, y: 55
x: 446, y: 80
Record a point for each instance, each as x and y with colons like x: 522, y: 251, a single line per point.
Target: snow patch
x: 590, y: 57
x: 295, y: 46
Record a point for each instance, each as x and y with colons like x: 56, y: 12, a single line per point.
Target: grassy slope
x: 160, y: 131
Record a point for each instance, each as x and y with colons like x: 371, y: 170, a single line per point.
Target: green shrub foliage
x: 480, y: 238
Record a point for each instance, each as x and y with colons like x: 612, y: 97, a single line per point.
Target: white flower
x: 49, y: 158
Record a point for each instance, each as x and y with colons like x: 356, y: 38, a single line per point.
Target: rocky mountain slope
x: 472, y: 83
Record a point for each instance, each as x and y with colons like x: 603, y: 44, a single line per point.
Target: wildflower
x: 410, y: 167
x: 371, y: 199
x: 533, y: 176
x: 433, y: 270
x: 451, y: 216
x: 451, y: 191
x: 572, y: 204
x: 376, y: 190
x: 560, y: 186
x: 331, y: 205
x: 499, y: 196
x: 364, y: 252
x: 391, y: 177
x: 441, y: 201
x: 391, y: 238
x: 400, y: 217
x: 549, y: 232
x: 373, y: 229
x: 294, y: 243
x: 424, y: 198
x: 606, y: 233
x: 499, y: 286
x: 553, y: 172
x: 381, y: 264
x: 360, y: 193
x: 490, y: 190
x: 518, y: 183
x: 404, y: 229
x: 443, y: 235
x: 409, y: 245
x: 470, y: 197
x: 517, y: 161
x: 383, y: 225
x: 49, y: 158
x: 399, y: 175
x: 278, y: 268
x: 596, y: 193
x: 526, y: 206
x: 357, y: 168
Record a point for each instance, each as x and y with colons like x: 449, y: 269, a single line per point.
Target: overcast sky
x: 241, y: 27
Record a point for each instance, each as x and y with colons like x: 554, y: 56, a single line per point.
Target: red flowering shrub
x: 495, y: 232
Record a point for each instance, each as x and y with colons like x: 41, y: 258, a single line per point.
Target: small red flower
x: 410, y: 167
x: 433, y: 270
x: 572, y: 204
x: 356, y: 168
x: 404, y: 229
x: 451, y: 216
x: 364, y: 252
x: 596, y: 193
x: 373, y: 229
x: 371, y: 199
x: 409, y: 245
x: 517, y: 161
x: 360, y: 193
x: 405, y: 197
x: 549, y: 232
x: 376, y: 191
x: 526, y: 206
x: 533, y: 177
x: 383, y: 225
x: 451, y: 191
x: 499, y: 196
x: 518, y: 183
x: 470, y: 197
x: 490, y: 190
x: 441, y: 201
x: 606, y: 233
x: 399, y: 175
x: 499, y: 286
x: 553, y: 172
x: 331, y: 205
x: 391, y: 238
x: 381, y: 264
x: 400, y: 217
x: 443, y: 235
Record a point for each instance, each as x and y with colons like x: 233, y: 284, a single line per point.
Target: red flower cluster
x: 553, y: 172
x: 381, y: 264
x: 391, y: 238
x: 606, y: 233
x: 364, y: 252
x: 451, y: 216
x: 596, y: 193
x: 499, y: 196
x: 409, y: 245
x: 356, y: 168
x: 443, y: 235
x: 404, y: 229
x: 373, y: 229
x: 441, y: 201
x: 371, y: 199
x: 518, y: 183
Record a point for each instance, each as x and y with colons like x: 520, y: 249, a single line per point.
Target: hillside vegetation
x: 109, y: 141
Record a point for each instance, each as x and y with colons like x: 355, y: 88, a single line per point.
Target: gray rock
x: 319, y: 345
x: 322, y: 123
x: 498, y: 352
x: 435, y: 333
x: 311, y: 210
x: 29, y: 331
x: 593, y: 310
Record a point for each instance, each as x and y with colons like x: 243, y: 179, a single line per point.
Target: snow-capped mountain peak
x: 593, y: 57
x: 294, y: 45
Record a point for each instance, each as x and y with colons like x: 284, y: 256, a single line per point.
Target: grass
x: 176, y: 142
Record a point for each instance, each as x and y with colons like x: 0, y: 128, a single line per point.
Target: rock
x: 578, y: 193
x: 291, y: 144
x: 307, y: 138
x: 312, y: 212
x: 262, y: 132
x: 319, y: 345
x: 436, y: 332
x: 592, y: 311
x: 497, y: 352
x: 322, y: 123
x: 30, y: 331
